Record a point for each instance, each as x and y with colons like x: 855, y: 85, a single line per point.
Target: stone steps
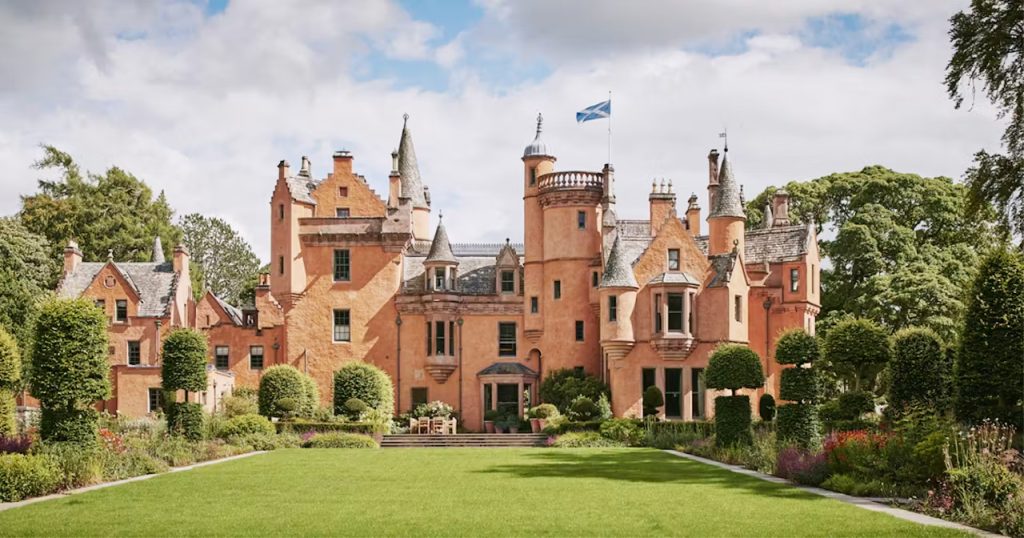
x: 464, y: 440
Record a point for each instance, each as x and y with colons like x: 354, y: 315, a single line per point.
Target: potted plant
x: 534, y: 421
x: 539, y: 417
x: 490, y: 416
x: 512, y: 423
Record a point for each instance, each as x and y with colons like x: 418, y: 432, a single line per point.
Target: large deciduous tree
x: 227, y: 261
x: 113, y: 211
x: 27, y: 271
x: 988, y: 50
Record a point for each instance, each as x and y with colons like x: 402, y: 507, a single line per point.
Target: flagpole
x: 609, y: 127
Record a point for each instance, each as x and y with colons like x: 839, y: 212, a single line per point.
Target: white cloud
x: 204, y: 107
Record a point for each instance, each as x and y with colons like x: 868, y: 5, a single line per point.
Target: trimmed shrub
x: 800, y: 385
x: 184, y: 361
x: 624, y: 430
x: 732, y: 421
x: 920, y: 371
x: 302, y: 426
x: 311, y: 402
x: 766, y: 407
x: 733, y: 367
x: 246, y: 425
x: 560, y: 387
x: 544, y: 411
x: 653, y: 399
x: 585, y: 440
x: 10, y: 381
x: 354, y: 408
x: 854, y: 404
x: 339, y: 440
x: 797, y: 347
x: 70, y: 370
x: 185, y: 419
x: 264, y: 441
x: 73, y: 426
x: 561, y: 424
x: 279, y: 383
x: 236, y: 406
x: 364, y: 381
x: 583, y: 409
x: 858, y: 348
x: 23, y: 476
x: 798, y: 424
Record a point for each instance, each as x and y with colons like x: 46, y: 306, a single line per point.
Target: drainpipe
x: 398, y: 365
x: 540, y: 374
x: 459, y: 322
x: 767, y: 333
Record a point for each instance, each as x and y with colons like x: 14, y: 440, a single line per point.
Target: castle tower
x: 537, y: 161
x: 411, y: 185
x: 618, y: 299
x: 726, y: 219
x: 290, y: 202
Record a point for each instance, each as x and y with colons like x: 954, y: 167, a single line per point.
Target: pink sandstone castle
x: 357, y: 277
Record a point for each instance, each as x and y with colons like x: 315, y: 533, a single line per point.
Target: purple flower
x: 15, y: 445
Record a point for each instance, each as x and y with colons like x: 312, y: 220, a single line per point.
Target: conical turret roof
x: 440, y: 247
x: 409, y: 169
x: 727, y: 201
x: 158, y: 250
x: 618, y: 273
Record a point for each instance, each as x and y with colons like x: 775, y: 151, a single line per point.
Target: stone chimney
x: 693, y: 215
x: 712, y: 177
x: 663, y: 204
x: 343, y: 162
x: 282, y: 169
x: 181, y: 260
x: 304, y: 170
x: 780, y: 208
x: 394, y: 181
x: 72, y: 257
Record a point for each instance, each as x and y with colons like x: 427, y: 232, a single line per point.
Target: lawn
x: 444, y: 492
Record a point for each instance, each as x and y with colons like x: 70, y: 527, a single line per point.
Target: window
x: 342, y: 267
x: 697, y: 392
x: 121, y: 312
x: 220, y: 357
x: 647, y: 379
x: 813, y: 279
x: 558, y: 289
x: 533, y: 176
x: 430, y: 338
x: 613, y: 308
x: 451, y: 338
x: 673, y: 259
x: 657, y: 312
x: 102, y: 305
x: 534, y: 306
x: 280, y: 212
x: 439, y: 338
x: 579, y: 331
x: 581, y: 220
x: 506, y: 339
x: 134, y: 353
x: 593, y: 279
x: 673, y: 392
x: 156, y: 399
x: 280, y: 265
x: 578, y: 371
x: 419, y: 396
x: 341, y: 212
x: 508, y: 282
x: 675, y: 312
x: 439, y: 278
x: 794, y: 279
x: 343, y: 192
x: 342, y: 328
x: 738, y: 307
x: 256, y: 357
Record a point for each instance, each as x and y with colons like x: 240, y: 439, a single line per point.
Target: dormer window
x: 673, y: 259
x: 508, y: 282
x: 439, y: 278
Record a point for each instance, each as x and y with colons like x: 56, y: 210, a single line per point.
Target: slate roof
x: 409, y: 169
x: 507, y: 368
x: 440, y: 247
x: 618, y: 270
x: 301, y: 189
x: 154, y: 282
x: 233, y: 313
x: 675, y: 278
x: 772, y: 245
x: 728, y: 201
x: 476, y: 275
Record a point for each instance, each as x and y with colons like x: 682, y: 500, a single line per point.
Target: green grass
x: 445, y: 492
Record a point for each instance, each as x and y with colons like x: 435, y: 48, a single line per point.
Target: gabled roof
x: 477, y: 267
x: 301, y: 189
x: 771, y: 245
x: 153, y: 282
x: 507, y: 368
x: 234, y: 314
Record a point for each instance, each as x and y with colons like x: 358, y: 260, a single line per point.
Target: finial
x: 506, y: 241
x: 540, y: 122
x: 405, y: 119
x: 725, y: 134
x: 110, y: 254
x: 654, y: 185
x: 440, y: 215
x: 669, y: 185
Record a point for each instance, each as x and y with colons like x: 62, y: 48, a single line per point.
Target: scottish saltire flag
x: 595, y: 112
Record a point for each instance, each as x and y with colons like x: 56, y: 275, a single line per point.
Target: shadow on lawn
x: 639, y: 466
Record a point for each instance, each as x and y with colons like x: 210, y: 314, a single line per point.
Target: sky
x: 202, y: 98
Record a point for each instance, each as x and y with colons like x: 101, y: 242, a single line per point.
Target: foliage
x: 113, y: 212
x: 986, y: 51
x: 246, y: 392
x: 183, y: 361
x: 988, y: 366
x: 68, y: 425
x: 734, y: 366
x: 653, y: 399
x: 436, y: 408
x: 544, y: 411
x: 339, y: 440
x: 365, y: 381
x: 857, y: 349
x: 311, y: 399
x: 78, y: 465
x: 10, y: 381
x: 797, y: 347
x: 604, y: 407
x: 15, y: 444
x: 920, y: 371
x: 235, y: 405
x: 583, y: 409
x: 800, y: 385
x: 584, y: 440
x: 226, y: 259
x: 264, y: 441
x: 855, y: 452
x: 562, y: 424
x: 303, y: 426
x: 797, y: 423
x: 28, y: 268
x: 732, y: 420
x: 23, y: 476
x: 279, y: 383
x: 186, y: 419
x: 624, y: 430
x: 854, y: 404
x: 670, y: 434
x: 766, y: 407
x: 246, y: 425
x: 850, y: 485
x: 802, y: 466
x: 560, y: 387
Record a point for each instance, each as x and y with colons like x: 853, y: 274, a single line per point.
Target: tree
x: 904, y: 248
x: 857, y: 349
x: 27, y: 271
x: 10, y: 381
x: 283, y: 382
x: 69, y: 368
x: 733, y: 367
x: 113, y: 212
x: 987, y: 50
x: 920, y: 371
x: 560, y: 387
x: 184, y: 368
x: 227, y: 261
x: 989, y: 370
x: 366, y: 382
x: 801, y: 385
x: 652, y: 400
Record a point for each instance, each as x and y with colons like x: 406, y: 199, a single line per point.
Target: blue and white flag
x: 595, y: 112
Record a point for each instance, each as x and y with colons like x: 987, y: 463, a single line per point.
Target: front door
x: 508, y: 398
x: 673, y: 392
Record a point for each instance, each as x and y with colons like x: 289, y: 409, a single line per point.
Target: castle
x: 354, y: 276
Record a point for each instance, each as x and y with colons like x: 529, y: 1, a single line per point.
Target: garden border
x: 86, y: 489
x: 859, y: 502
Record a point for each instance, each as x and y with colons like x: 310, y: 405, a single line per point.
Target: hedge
x: 921, y: 371
x: 366, y: 382
x: 246, y: 425
x: 186, y: 419
x: 628, y: 431
x: 572, y: 426
x: 300, y: 427
x: 69, y: 426
x: 585, y: 440
x: 279, y: 383
x: 854, y: 404
x: 797, y: 423
x: 732, y: 420
x: 797, y: 347
x: 339, y: 440
x: 184, y: 361
x: 800, y: 385
x: 23, y: 476
x: 734, y: 366
x: 701, y: 427
x: 560, y: 387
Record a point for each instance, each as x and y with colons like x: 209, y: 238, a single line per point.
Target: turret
x: 618, y: 299
x: 537, y: 161
x: 411, y: 184
x: 663, y: 205
x: 726, y: 220
x: 440, y: 265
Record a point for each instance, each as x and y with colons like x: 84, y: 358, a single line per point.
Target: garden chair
x: 437, y: 425
x: 413, y: 425
x: 424, y: 425
x: 451, y: 427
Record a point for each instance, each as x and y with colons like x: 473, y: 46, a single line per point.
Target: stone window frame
x: 252, y: 356
x: 341, y: 325
x: 217, y: 355
x: 137, y: 344
x: 342, y: 265
x: 507, y: 345
x: 121, y: 311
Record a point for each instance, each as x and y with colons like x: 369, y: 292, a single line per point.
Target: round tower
x: 618, y: 299
x: 726, y: 220
x: 537, y: 161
